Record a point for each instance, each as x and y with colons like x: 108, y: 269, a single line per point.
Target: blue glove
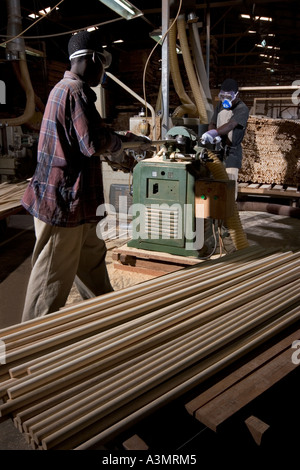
x: 210, y: 137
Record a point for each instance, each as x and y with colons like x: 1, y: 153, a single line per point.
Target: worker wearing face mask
x: 228, y: 126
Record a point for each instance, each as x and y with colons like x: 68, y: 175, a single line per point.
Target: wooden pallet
x: 149, y: 262
x: 223, y: 400
x: 272, y: 190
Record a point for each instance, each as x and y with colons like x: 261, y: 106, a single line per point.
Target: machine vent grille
x: 163, y: 222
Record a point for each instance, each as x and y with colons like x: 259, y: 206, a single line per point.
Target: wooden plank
x: 147, y: 271
x: 165, y: 267
x: 265, y: 186
x: 253, y: 186
x: 241, y: 373
x: 257, y: 428
x: 154, y: 255
x: 219, y: 410
x: 270, y: 192
x: 135, y: 443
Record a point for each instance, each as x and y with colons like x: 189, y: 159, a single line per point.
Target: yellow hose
x: 188, y: 107
x: 190, y: 70
x: 234, y: 225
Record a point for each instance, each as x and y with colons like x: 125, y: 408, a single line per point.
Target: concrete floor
x: 263, y: 229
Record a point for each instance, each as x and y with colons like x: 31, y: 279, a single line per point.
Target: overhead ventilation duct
x: 199, y: 63
x: 187, y: 107
x: 189, y: 66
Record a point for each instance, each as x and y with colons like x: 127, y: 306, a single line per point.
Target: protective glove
x: 211, y: 137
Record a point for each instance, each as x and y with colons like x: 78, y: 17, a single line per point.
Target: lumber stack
x: 78, y: 377
x: 11, y: 195
x: 271, y: 151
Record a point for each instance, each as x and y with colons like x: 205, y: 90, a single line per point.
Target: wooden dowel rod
x: 88, y: 328
x: 138, y: 409
x: 159, y: 352
x: 51, y: 440
x: 164, y: 348
x: 88, y: 345
x: 185, y: 356
x: 237, y: 293
x: 140, y: 289
x: 63, y: 353
x: 195, y: 278
x: 50, y: 388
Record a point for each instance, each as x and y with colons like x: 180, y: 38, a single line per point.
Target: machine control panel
x: 214, y: 198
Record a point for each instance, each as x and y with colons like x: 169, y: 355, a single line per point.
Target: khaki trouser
x: 60, y: 256
x: 232, y: 174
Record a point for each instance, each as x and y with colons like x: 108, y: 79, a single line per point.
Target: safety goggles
x: 227, y: 95
x: 104, y: 57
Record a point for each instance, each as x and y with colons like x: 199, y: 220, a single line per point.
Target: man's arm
x: 225, y: 128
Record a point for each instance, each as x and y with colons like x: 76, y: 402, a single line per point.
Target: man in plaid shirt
x: 66, y: 188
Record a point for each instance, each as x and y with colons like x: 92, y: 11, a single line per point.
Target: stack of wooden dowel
x: 77, y: 378
x: 271, y: 150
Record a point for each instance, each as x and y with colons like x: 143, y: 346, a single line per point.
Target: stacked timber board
x: 271, y: 152
x: 79, y: 377
x: 10, y: 197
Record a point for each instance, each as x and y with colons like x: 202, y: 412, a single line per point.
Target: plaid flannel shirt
x: 67, y: 187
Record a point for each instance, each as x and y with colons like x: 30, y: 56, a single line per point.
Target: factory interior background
x: 250, y: 403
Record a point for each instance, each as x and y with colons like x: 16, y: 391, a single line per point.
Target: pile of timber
x: 79, y: 377
x: 271, y: 151
x: 10, y: 197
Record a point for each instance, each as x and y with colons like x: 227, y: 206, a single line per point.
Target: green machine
x: 163, y: 211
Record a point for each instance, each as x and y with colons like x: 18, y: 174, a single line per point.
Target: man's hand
x: 211, y: 137
x: 139, y: 142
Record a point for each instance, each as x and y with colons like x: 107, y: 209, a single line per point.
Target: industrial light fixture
x: 157, y: 36
x: 43, y: 12
x: 256, y: 18
x: 123, y: 8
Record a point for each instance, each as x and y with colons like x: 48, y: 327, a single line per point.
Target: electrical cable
x: 66, y: 32
x: 39, y: 19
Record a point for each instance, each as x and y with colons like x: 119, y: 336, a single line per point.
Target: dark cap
x: 229, y: 85
x: 86, y: 43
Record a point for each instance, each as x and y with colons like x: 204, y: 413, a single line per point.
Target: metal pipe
x: 165, y: 72
x: 15, y: 49
x: 110, y: 75
x: 263, y: 88
x: 207, y: 39
x: 265, y: 98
